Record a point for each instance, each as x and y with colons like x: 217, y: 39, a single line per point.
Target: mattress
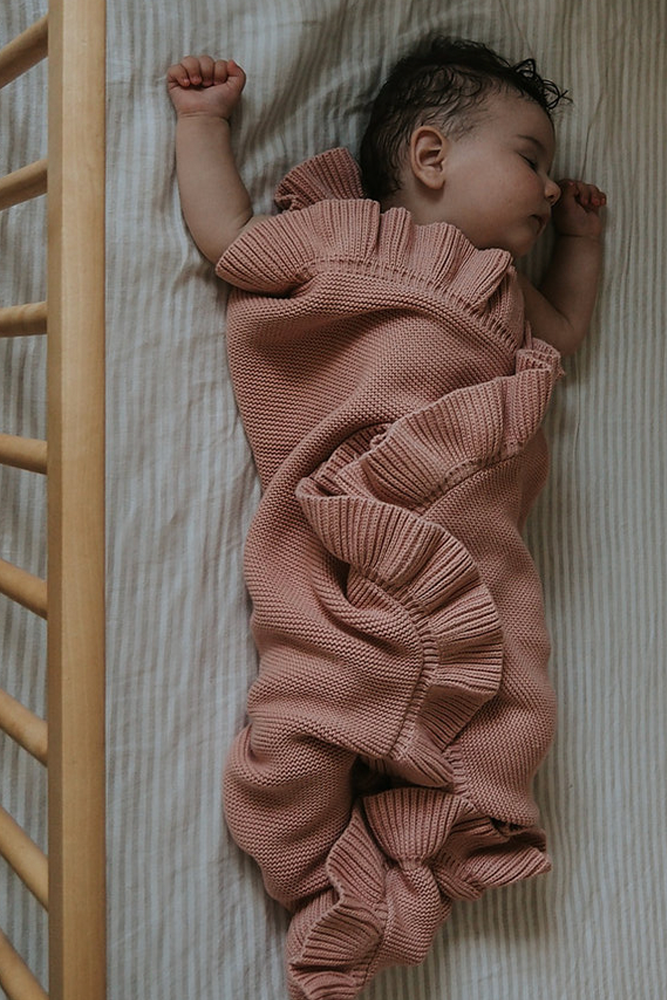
x: 188, y: 917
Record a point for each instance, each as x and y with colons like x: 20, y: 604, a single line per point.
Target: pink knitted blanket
x: 392, y: 394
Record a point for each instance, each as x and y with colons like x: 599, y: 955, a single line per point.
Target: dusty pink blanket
x: 392, y: 394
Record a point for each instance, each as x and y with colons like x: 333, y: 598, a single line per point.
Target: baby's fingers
x: 589, y: 196
x: 184, y: 72
x: 192, y: 71
x: 226, y: 70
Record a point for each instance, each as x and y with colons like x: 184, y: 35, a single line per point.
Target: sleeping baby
x: 386, y: 362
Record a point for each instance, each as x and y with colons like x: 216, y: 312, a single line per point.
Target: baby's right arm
x: 215, y: 202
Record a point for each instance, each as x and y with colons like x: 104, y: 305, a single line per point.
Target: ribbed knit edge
x: 434, y: 579
x: 366, y: 509
x: 330, y: 230
x: 406, y: 854
x: 355, y: 237
x: 409, y: 851
x: 435, y: 448
x: 331, y: 174
x: 335, y: 176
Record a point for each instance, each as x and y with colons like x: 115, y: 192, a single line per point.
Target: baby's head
x: 459, y: 135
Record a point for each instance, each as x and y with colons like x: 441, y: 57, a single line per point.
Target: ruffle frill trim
x: 369, y: 504
x: 409, y: 851
x: 404, y: 857
x: 336, y: 228
x: 333, y: 174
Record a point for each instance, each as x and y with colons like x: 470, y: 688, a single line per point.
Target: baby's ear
x: 428, y: 153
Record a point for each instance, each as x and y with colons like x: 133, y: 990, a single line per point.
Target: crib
x: 149, y: 897
x: 70, y: 743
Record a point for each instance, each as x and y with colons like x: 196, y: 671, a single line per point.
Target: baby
x: 386, y: 362
x: 482, y: 165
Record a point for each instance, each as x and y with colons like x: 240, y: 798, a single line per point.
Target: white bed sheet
x: 187, y: 914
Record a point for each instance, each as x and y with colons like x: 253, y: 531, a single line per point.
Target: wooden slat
x: 25, y: 857
x: 23, y: 321
x: 23, y: 587
x: 16, y: 979
x: 24, y: 727
x: 24, y: 51
x: 24, y: 184
x: 75, y: 347
x: 23, y: 453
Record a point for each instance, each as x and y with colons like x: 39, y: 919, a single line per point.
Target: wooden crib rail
x: 25, y: 857
x: 27, y: 49
x: 23, y: 321
x: 71, y: 882
x: 24, y: 184
x: 18, y: 981
x: 23, y: 453
x: 24, y: 588
x: 24, y: 727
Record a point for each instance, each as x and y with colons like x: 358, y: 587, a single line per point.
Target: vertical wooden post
x: 75, y: 325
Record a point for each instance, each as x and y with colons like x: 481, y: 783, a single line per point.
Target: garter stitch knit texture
x: 392, y: 394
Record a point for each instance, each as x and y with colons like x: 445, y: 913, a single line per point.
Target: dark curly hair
x: 446, y: 82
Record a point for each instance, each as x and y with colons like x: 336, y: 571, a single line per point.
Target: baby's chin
x: 521, y: 238
x: 518, y: 243
x: 516, y: 250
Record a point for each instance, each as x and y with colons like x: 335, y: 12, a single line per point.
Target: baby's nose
x: 552, y: 192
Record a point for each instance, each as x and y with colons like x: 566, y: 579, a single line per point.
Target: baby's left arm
x: 217, y: 207
x: 560, y: 312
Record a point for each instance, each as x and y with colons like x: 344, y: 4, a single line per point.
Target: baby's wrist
x: 204, y: 116
x: 593, y: 238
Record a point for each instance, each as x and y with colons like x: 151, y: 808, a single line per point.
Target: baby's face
x: 497, y: 186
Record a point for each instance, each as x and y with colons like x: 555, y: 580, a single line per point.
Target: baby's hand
x: 201, y: 85
x: 577, y: 211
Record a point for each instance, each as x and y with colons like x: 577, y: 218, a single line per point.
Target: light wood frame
x: 71, y: 884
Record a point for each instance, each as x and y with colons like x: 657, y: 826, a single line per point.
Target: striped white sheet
x: 187, y: 915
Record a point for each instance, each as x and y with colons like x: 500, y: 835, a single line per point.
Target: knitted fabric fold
x: 404, y: 857
x: 408, y: 852
x: 392, y: 393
